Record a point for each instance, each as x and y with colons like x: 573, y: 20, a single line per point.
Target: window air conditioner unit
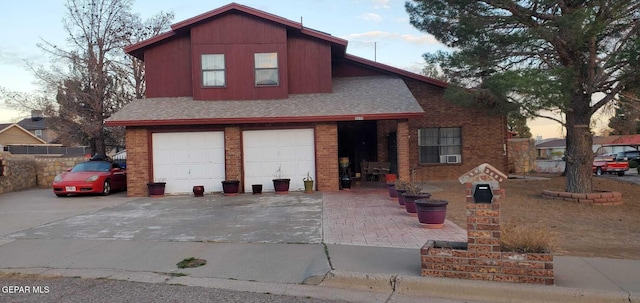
x: 450, y: 159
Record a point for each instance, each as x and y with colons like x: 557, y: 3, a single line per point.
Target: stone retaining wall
x: 602, y: 198
x: 19, y: 173
x: 25, y: 171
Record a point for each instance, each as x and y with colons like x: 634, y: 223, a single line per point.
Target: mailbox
x: 482, y: 193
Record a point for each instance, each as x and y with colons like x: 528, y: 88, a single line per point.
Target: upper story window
x: 266, y: 69
x: 213, y: 72
x: 440, y: 145
x: 38, y: 133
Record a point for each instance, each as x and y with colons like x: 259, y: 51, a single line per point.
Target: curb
x: 472, y: 290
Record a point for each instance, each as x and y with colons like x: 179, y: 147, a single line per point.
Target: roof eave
x: 398, y: 71
x: 255, y: 120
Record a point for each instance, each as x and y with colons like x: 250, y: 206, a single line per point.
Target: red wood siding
x: 239, y: 37
x: 309, y: 65
x: 168, y: 69
x: 348, y: 69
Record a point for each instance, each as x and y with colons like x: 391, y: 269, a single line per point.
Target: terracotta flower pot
x: 410, y: 199
x: 431, y: 213
x: 198, y: 191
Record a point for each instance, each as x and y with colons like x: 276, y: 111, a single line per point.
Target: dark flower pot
x: 345, y: 182
x: 391, y: 187
x: 256, y: 189
x: 281, y: 185
x: 409, y: 201
x: 231, y: 187
x: 156, y: 189
x: 399, y: 194
x: 198, y: 191
x: 431, y: 213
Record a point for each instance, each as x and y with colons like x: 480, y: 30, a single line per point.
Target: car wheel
x: 621, y: 173
x: 106, y: 188
x: 61, y: 195
x: 599, y: 171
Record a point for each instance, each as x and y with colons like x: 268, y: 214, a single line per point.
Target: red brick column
x: 137, y: 141
x: 483, y: 223
x: 233, y: 154
x: 404, y: 166
x: 327, y: 175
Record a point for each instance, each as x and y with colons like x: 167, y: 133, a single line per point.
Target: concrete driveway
x: 292, y: 218
x: 31, y: 208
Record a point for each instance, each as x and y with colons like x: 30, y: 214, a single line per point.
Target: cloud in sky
x: 381, y: 36
x: 371, y: 17
x: 381, y: 4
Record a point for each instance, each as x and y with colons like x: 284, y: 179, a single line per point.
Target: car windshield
x: 92, y: 166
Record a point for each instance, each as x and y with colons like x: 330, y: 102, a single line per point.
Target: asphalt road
x: 73, y: 290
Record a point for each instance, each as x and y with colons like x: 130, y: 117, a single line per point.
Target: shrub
x: 522, y: 239
x: 402, y: 184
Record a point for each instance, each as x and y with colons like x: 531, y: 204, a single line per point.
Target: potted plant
x: 280, y: 182
x: 308, y: 184
x: 413, y: 193
x: 230, y: 187
x: 156, y: 189
x: 431, y: 213
x: 401, y: 187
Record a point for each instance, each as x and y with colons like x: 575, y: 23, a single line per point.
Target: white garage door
x: 186, y: 159
x: 291, y: 150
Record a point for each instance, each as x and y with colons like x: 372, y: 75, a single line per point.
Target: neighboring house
x: 237, y: 93
x: 554, y: 149
x: 38, y: 126
x: 14, y: 134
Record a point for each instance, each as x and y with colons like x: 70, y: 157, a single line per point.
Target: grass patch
x: 177, y: 274
x: 191, y: 263
x: 518, y: 238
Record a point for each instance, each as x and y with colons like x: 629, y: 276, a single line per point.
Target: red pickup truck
x: 610, y: 164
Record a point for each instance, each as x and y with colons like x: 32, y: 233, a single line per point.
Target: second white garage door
x: 291, y: 150
x: 186, y: 159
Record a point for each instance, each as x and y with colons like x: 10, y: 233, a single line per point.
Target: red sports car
x: 101, y: 177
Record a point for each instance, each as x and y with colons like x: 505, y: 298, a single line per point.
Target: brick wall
x: 137, y: 140
x: 404, y: 165
x: 233, y: 154
x: 481, y: 257
x: 327, y: 156
x: 483, y: 134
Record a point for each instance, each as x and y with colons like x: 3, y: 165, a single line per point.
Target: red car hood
x: 80, y: 176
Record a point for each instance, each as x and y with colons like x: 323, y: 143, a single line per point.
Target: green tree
x: 571, y: 56
x: 518, y: 123
x: 626, y: 119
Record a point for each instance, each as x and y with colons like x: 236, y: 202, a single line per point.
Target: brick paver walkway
x: 369, y: 217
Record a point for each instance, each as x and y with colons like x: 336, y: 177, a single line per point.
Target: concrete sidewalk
x: 347, y: 240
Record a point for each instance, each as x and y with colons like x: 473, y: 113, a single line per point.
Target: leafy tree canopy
x: 572, y: 56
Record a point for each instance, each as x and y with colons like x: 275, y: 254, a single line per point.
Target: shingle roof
x: 31, y: 124
x: 353, y: 98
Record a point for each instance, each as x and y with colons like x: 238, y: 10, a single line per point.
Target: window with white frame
x: 266, y: 65
x: 440, y: 145
x: 38, y: 133
x: 213, y: 70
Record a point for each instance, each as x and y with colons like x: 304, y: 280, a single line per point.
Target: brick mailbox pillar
x: 481, y: 258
